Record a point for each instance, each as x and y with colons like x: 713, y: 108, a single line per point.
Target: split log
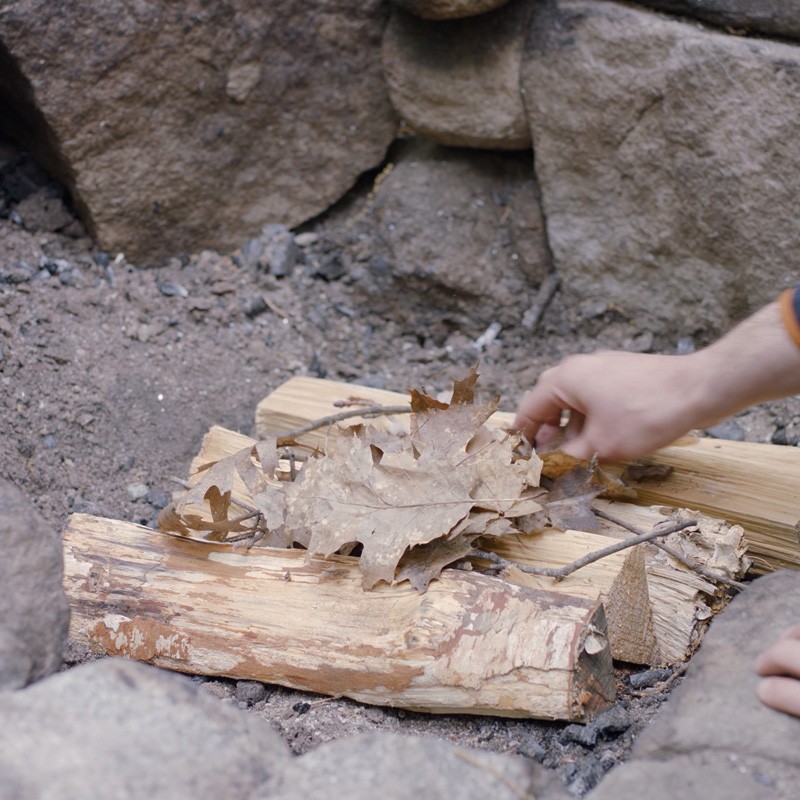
x: 469, y: 644
x: 753, y: 485
x: 683, y: 602
x: 619, y: 580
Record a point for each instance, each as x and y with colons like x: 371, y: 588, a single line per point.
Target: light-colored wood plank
x: 619, y: 580
x: 469, y: 644
x: 753, y: 485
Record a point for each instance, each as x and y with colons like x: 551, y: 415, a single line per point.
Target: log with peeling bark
x: 683, y: 602
x: 753, y: 485
x: 619, y: 580
x: 469, y: 644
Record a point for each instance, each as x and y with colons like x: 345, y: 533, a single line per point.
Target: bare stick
x: 671, y: 551
x: 548, y: 287
x: 369, y: 411
x: 559, y: 573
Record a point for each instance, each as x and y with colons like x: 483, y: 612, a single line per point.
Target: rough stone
x: 714, y: 738
x: 34, y: 614
x: 41, y: 211
x: 411, y: 767
x: 775, y: 17
x: 115, y: 728
x: 668, y: 162
x: 156, y: 111
x: 448, y: 9
x: 458, y: 83
x: 482, y: 259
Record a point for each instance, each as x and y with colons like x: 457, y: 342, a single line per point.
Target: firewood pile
x: 418, y: 554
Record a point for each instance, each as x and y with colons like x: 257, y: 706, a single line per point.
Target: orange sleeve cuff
x: 789, y: 302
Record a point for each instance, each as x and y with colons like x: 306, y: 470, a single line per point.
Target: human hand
x: 779, y: 667
x: 622, y: 405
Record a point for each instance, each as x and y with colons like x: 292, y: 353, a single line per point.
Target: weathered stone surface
x: 668, y: 162
x: 458, y: 83
x: 33, y: 612
x: 191, y: 125
x: 776, y: 17
x: 714, y: 738
x: 448, y: 9
x: 397, y: 767
x: 460, y: 239
x: 115, y: 728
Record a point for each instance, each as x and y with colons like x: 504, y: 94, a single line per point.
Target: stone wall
x: 662, y: 133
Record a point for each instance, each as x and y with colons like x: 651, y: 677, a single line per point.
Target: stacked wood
x: 750, y: 484
x: 683, y: 602
x: 470, y: 643
x: 753, y: 485
x: 619, y: 581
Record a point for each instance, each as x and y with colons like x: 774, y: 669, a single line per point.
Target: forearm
x: 754, y: 362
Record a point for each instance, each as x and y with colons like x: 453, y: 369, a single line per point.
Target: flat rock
x: 187, y: 126
x: 776, y: 17
x: 34, y: 614
x: 457, y: 83
x: 460, y: 238
x: 116, y: 728
x: 668, y: 162
x: 714, y: 739
x: 397, y: 767
x: 448, y: 9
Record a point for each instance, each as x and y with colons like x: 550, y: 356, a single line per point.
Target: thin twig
x: 671, y: 551
x: 370, y: 411
x: 559, y: 573
x: 548, y: 287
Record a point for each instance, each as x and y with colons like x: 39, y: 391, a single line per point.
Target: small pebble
x: 727, y: 430
x: 612, y: 722
x: 254, y: 305
x: 306, y: 239
x: 301, y: 708
x: 585, y: 735
x: 137, y: 491
x: 172, y: 289
x: 250, y: 692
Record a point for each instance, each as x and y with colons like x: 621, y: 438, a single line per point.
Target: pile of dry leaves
x: 408, y: 501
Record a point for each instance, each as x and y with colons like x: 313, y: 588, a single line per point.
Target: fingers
x: 539, y: 407
x: 780, y: 664
x: 782, y: 658
x: 782, y: 694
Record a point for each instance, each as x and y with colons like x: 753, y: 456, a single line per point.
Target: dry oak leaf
x: 419, y: 490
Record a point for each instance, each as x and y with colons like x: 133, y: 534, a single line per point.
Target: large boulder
x: 668, y: 162
x: 396, y: 767
x: 448, y: 9
x: 714, y: 738
x: 457, y: 82
x: 459, y: 240
x: 115, y: 728
x: 776, y: 17
x: 34, y: 614
x: 182, y: 126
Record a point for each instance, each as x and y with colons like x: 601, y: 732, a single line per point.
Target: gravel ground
x: 111, y: 373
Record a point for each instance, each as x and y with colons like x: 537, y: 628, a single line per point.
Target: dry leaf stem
x: 671, y: 551
x: 559, y: 573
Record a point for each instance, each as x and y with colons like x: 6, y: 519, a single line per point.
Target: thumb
x: 579, y: 447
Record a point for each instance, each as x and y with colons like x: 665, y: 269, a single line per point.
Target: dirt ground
x: 111, y: 372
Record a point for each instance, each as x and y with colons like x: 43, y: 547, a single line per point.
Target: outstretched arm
x: 625, y: 405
